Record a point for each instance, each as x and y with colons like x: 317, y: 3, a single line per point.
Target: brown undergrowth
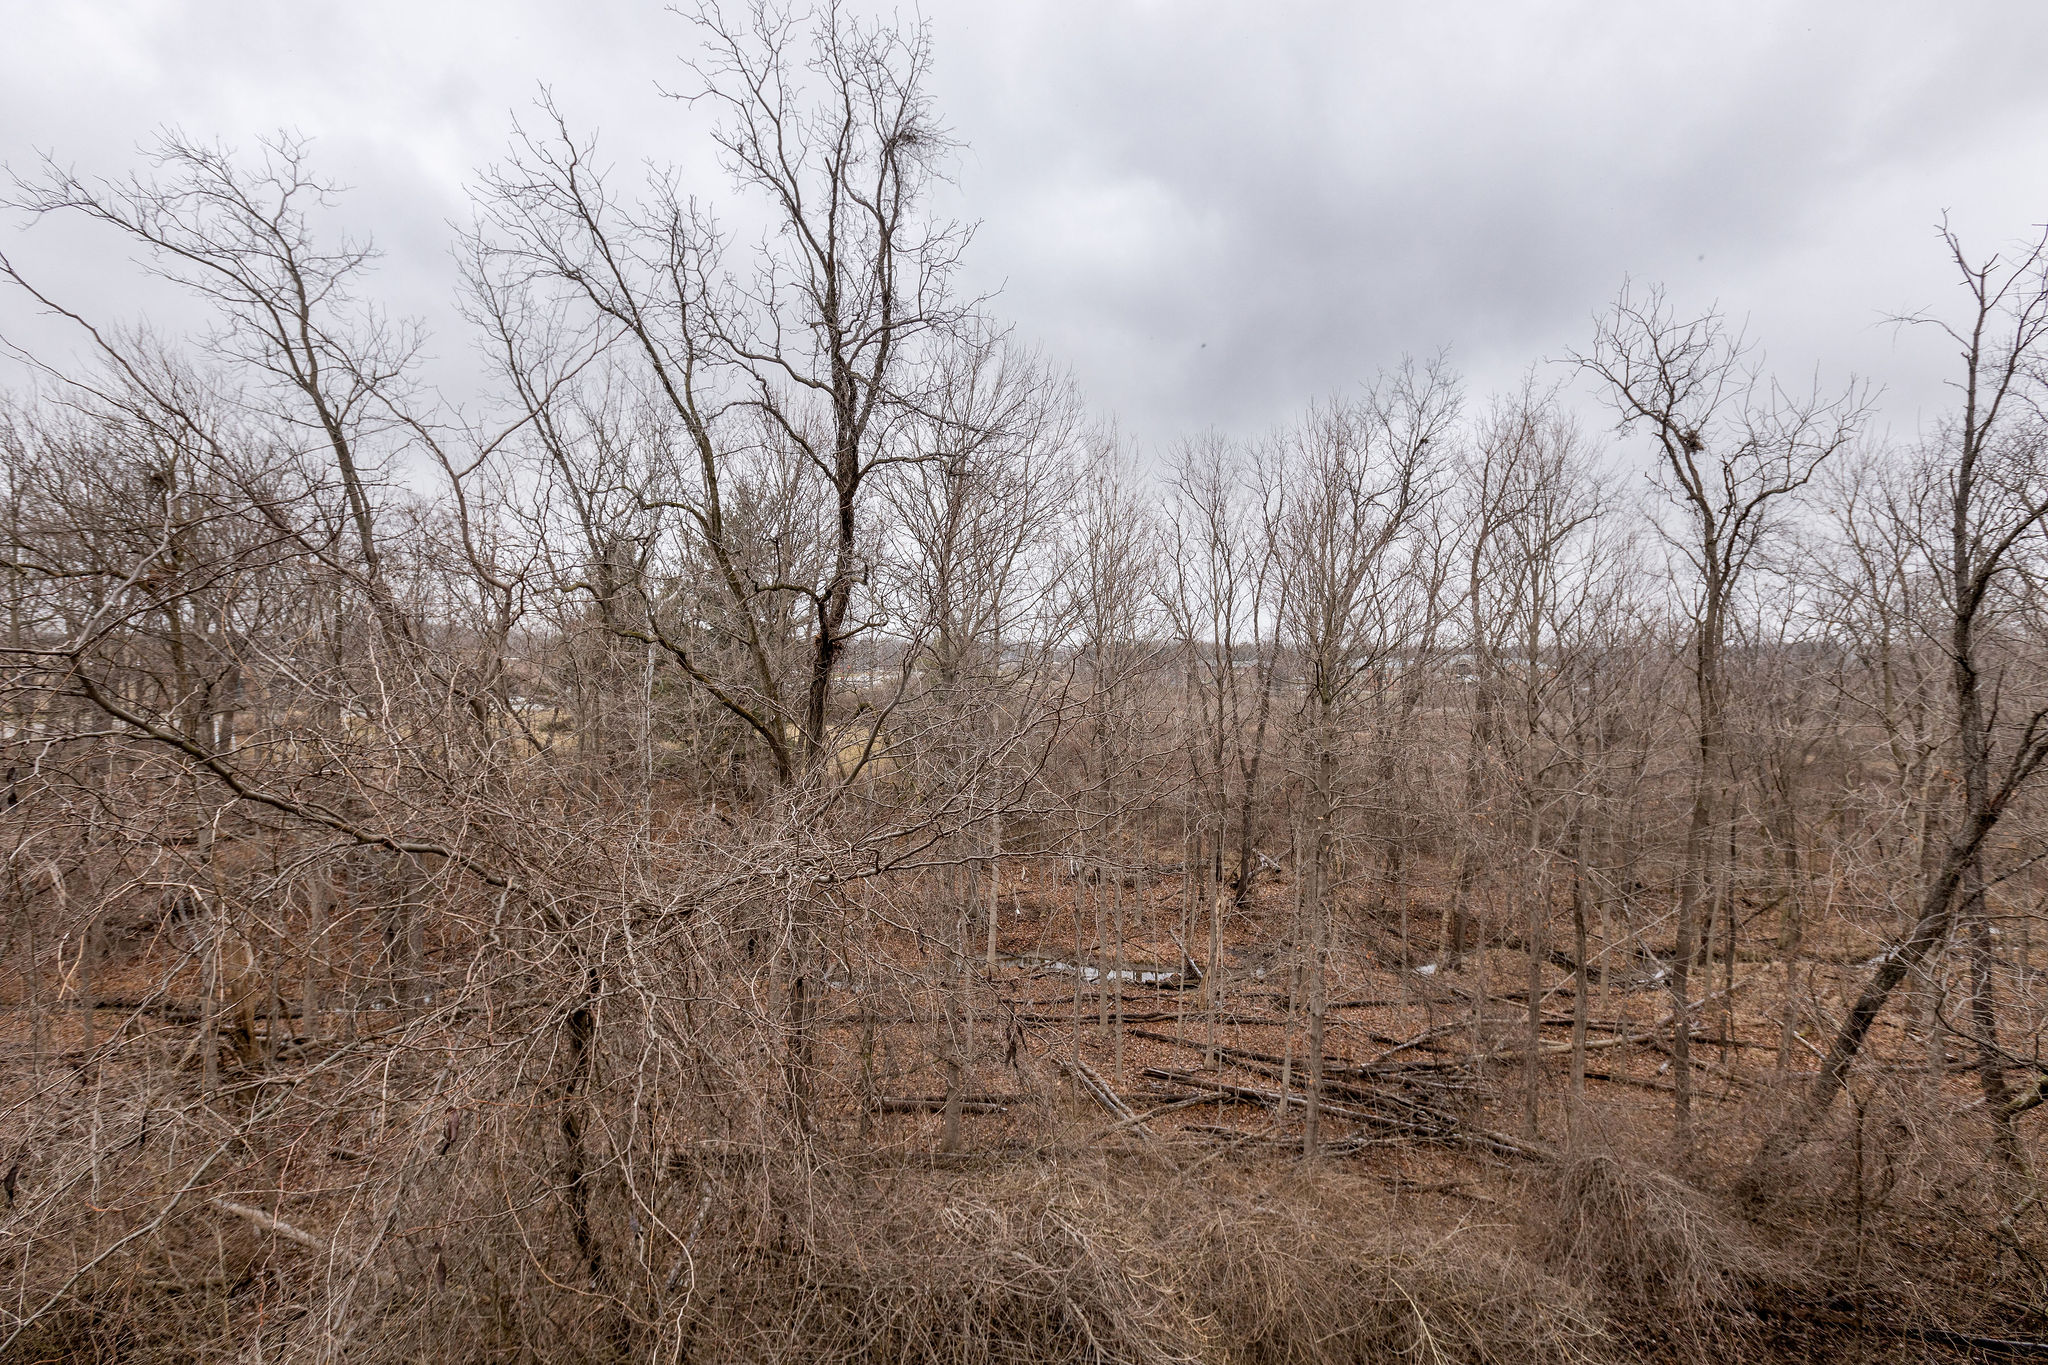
x: 1067, y: 1253
x: 596, y: 1165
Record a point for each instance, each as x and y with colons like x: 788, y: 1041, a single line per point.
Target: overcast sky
x: 1211, y: 212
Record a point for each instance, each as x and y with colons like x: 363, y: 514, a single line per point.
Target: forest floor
x: 1864, y: 1249
x: 1440, y: 1125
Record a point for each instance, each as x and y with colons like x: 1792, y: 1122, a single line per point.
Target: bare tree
x: 1342, y: 523
x: 802, y: 362
x: 1220, y: 602
x: 1545, y: 502
x: 1731, y: 449
x: 287, y: 317
x: 1988, y: 498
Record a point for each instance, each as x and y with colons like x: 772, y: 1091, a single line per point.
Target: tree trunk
x: 319, y: 894
x: 2005, y: 1142
x: 1929, y: 931
x: 1315, y: 903
x: 1535, y: 892
x: 1581, y: 952
x: 1699, y: 837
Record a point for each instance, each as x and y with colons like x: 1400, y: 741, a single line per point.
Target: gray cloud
x: 1212, y: 212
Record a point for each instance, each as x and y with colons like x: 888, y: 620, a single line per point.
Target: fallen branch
x: 1099, y: 1089
x: 1441, y: 1129
x: 931, y: 1104
x: 269, y: 1224
x: 1422, y: 1039
x: 1185, y: 1102
x: 2031, y: 1098
x: 1940, y: 1336
x: 1334, y: 1071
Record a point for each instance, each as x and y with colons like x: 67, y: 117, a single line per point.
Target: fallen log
x: 1184, y: 1102
x: 1940, y: 1336
x: 1421, y: 1040
x: 931, y: 1104
x: 1225, y: 1050
x: 1445, y: 1130
x: 1103, y: 1095
x: 270, y: 1224
x: 1334, y: 1069
x: 1154, y: 1017
x: 1338, y: 1147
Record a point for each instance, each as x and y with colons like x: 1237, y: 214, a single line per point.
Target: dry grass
x: 427, y: 1151
x: 1646, y: 1236
x: 1044, y: 1262
x: 1665, y: 1258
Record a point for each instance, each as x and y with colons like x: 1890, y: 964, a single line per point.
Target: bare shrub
x: 1087, y: 1263
x: 1040, y: 1262
x: 1319, y: 1271
x: 1650, y: 1240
